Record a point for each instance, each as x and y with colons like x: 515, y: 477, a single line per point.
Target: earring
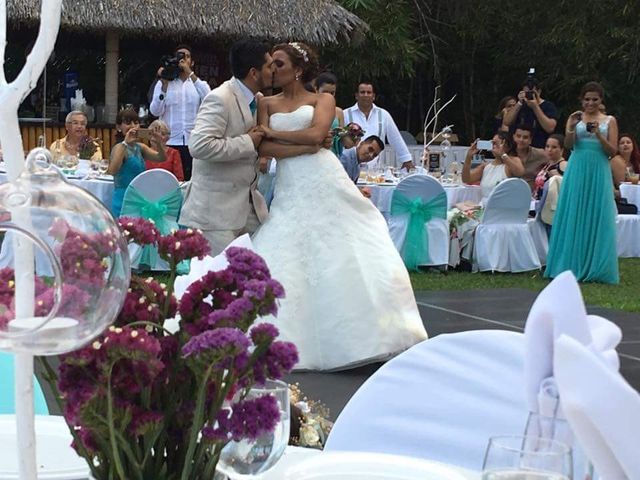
x: 297, y: 76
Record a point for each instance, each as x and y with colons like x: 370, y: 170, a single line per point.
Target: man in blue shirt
x: 364, y: 152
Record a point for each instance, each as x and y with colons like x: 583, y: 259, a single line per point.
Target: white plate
x: 370, y: 466
x: 55, y: 457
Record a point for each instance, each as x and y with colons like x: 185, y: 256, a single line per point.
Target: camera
x: 591, y: 127
x: 170, y: 66
x: 531, y: 84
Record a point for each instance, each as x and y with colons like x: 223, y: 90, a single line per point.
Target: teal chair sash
x: 7, y: 395
x: 415, y: 249
x: 164, y: 213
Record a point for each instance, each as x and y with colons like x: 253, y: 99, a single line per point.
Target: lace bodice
x: 299, y: 119
x: 582, y: 134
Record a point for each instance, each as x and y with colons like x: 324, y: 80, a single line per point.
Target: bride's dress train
x: 348, y: 299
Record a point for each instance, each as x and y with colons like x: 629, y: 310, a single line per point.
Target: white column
x: 111, y: 77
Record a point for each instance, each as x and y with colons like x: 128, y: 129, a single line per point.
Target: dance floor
x: 450, y: 312
x: 456, y: 311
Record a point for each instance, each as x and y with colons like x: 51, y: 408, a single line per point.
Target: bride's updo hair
x: 302, y: 56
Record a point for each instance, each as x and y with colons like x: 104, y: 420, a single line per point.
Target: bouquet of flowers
x: 351, y: 130
x: 143, y: 402
x: 88, y: 147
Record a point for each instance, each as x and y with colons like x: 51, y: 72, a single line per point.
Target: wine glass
x: 103, y: 166
x: 516, y: 457
x: 94, y: 168
x: 251, y: 457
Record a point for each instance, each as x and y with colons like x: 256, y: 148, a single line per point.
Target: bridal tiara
x: 300, y: 50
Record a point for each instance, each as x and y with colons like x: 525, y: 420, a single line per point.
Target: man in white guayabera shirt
x: 176, y: 99
x: 377, y: 121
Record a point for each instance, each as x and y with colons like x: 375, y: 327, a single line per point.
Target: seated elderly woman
x: 490, y: 174
x: 76, y: 142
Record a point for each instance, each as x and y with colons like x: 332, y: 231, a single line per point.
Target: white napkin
x: 601, y: 407
x: 559, y: 310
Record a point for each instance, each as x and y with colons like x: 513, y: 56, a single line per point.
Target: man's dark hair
x: 366, y: 82
x: 525, y: 127
x: 326, y: 77
x: 375, y: 138
x: 183, y: 46
x: 246, y: 54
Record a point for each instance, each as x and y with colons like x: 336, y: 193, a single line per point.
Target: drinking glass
x: 516, y: 457
x: 251, y: 457
x: 94, y: 168
x: 103, y: 166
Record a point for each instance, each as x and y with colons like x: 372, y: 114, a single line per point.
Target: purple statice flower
x: 227, y: 341
x: 144, y: 302
x: 139, y: 230
x: 246, y: 265
x: 263, y: 333
x: 87, y: 439
x: 238, y: 311
x: 252, y: 418
x: 8, y: 287
x: 59, y: 229
x: 73, y: 302
x: 143, y: 422
x: 279, y: 360
x: 182, y: 245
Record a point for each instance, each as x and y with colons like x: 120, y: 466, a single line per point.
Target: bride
x: 348, y: 300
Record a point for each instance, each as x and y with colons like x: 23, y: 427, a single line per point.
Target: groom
x: 221, y: 199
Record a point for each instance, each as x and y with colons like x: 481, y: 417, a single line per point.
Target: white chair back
x: 508, y: 203
x: 155, y: 183
x: 419, y: 186
x: 440, y: 400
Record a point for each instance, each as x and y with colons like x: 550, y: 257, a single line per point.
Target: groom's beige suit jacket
x: 224, y: 178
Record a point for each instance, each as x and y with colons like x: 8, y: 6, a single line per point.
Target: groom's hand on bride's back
x: 256, y: 135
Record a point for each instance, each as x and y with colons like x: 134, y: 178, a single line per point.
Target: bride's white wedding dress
x: 348, y: 299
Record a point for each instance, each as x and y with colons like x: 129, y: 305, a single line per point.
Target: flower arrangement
x: 88, y: 147
x: 458, y: 217
x: 311, y: 427
x: 142, y: 402
x: 351, y: 130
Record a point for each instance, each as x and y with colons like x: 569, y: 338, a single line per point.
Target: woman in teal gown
x: 583, y: 237
x: 327, y: 82
x: 128, y: 156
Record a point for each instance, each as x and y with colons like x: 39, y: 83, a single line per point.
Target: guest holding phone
x: 583, y: 238
x: 173, y: 162
x: 128, y: 156
x: 490, y: 174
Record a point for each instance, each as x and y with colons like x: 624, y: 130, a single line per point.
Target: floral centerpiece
x: 351, y: 130
x: 145, y: 403
x: 88, y: 147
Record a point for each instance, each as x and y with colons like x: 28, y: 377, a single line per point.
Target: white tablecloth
x: 631, y: 193
x: 102, y: 189
x: 381, y: 194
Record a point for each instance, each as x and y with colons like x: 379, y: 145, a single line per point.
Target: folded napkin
x: 208, y: 264
x: 601, y: 408
x: 559, y: 310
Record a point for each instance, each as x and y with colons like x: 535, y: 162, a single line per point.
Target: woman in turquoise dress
x: 128, y: 156
x: 583, y: 238
x: 327, y: 82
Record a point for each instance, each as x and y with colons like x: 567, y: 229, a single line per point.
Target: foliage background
x: 481, y: 50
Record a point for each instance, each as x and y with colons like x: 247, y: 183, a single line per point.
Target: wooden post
x: 111, y: 77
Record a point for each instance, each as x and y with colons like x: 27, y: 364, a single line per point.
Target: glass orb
x: 64, y: 265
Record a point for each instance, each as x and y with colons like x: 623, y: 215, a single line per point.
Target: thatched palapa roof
x: 312, y: 21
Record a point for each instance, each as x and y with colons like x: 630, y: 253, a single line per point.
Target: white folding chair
x: 436, y: 229
x: 440, y: 400
x: 152, y: 186
x: 628, y: 235
x: 503, y: 241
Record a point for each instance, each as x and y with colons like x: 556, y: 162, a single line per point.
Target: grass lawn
x: 625, y: 296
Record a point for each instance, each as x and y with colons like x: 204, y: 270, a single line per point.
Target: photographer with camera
x: 176, y: 100
x: 533, y: 110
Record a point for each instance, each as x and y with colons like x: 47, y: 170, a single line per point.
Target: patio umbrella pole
x: 11, y: 95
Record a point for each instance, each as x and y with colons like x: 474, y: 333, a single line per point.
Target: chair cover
x: 154, y: 195
x: 539, y: 237
x: 628, y: 240
x: 418, y: 222
x: 503, y: 242
x: 440, y: 400
x: 7, y: 391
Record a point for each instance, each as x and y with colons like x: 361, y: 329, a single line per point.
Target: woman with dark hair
x: 128, y: 156
x: 491, y: 174
x: 583, y: 238
x: 349, y: 299
x: 327, y: 82
x: 506, y: 104
x: 625, y: 166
